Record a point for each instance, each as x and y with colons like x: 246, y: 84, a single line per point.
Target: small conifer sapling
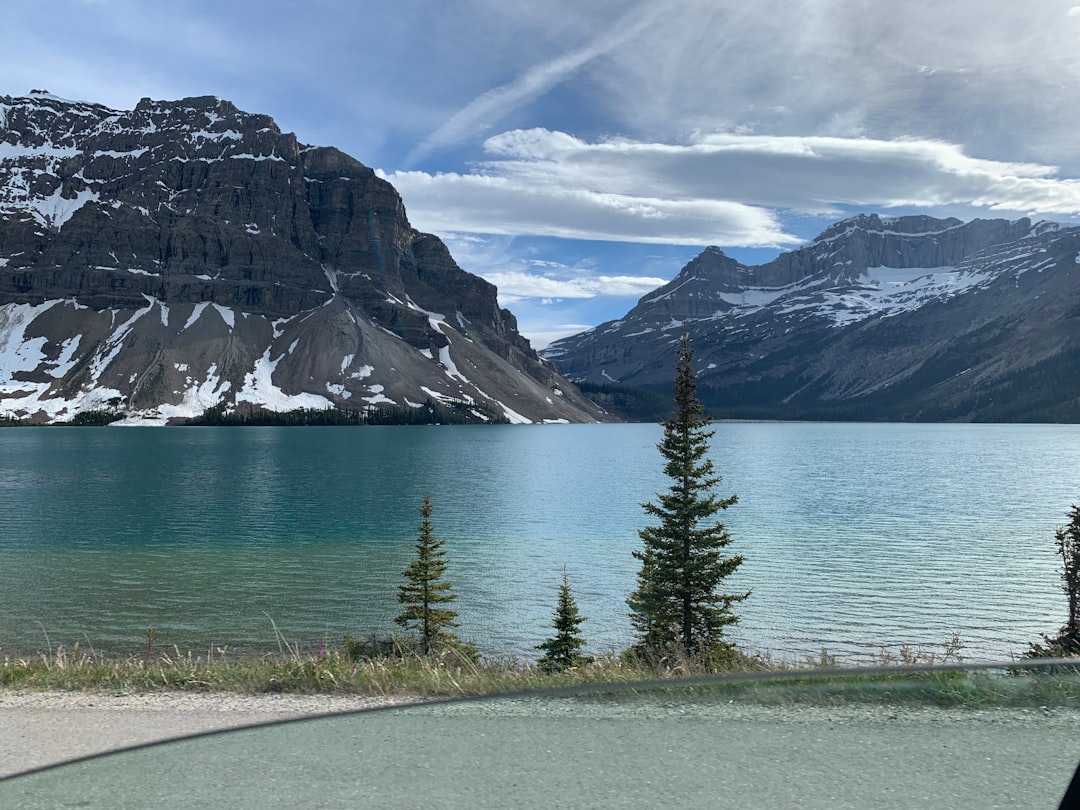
x: 563, y: 651
x: 425, y: 594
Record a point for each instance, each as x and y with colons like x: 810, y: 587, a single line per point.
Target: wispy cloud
x: 486, y: 109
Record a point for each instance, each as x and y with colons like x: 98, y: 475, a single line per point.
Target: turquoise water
x: 856, y: 536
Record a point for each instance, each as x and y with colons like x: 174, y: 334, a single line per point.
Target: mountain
x: 909, y: 318
x: 186, y: 255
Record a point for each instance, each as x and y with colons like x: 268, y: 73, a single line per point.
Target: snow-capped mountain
x: 909, y: 318
x: 185, y: 255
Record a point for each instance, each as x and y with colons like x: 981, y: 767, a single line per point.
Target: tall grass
x: 298, y: 671
x: 395, y: 670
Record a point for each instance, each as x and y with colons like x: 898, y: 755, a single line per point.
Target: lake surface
x: 856, y: 536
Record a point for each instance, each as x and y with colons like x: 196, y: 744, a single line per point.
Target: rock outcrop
x: 911, y: 318
x: 186, y: 255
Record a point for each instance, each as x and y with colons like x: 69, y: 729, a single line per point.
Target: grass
x: 396, y: 671
x: 295, y: 671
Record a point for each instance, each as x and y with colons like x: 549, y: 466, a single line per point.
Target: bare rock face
x: 186, y: 255
x: 911, y: 318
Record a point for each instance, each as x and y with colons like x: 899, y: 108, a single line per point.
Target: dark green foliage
x: 1067, y: 641
x: 676, y: 609
x: 369, y: 649
x: 424, y: 590
x: 563, y: 651
x: 631, y: 404
x: 95, y: 418
x: 431, y: 413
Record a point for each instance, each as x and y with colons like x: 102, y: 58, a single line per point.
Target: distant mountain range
x: 186, y: 256
x: 909, y: 318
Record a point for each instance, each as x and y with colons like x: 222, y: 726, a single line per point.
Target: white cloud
x: 519, y: 285
x: 717, y: 188
x: 540, y: 338
x: 486, y: 203
x: 806, y: 173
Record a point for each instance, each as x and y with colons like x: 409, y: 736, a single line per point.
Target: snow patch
x: 226, y: 314
x: 259, y: 389
x: 17, y: 354
x: 66, y: 360
x: 339, y: 390
x: 379, y: 399
x: 198, y: 397
x: 195, y: 314
x: 447, y: 362
x: 115, y: 341
x: 53, y: 211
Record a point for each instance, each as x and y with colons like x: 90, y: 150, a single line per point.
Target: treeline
x: 629, y: 404
x: 429, y: 413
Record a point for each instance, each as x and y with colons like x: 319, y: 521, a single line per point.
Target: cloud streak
x: 487, y: 108
x: 718, y: 188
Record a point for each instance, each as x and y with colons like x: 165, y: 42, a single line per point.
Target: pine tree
x: 676, y: 608
x: 1068, y: 546
x: 425, y: 591
x: 563, y: 651
x: 1067, y: 641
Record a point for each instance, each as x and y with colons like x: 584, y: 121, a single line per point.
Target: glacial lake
x: 856, y: 536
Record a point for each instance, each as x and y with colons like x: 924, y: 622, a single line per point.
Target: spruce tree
x: 424, y: 592
x: 563, y: 651
x: 677, y: 608
x: 1067, y: 641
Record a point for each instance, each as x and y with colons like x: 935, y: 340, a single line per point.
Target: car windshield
x: 975, y: 736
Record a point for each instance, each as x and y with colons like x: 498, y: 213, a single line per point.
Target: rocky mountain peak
x: 877, y: 318
x: 873, y: 223
x: 199, y: 257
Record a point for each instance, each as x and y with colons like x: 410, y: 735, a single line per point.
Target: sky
x: 578, y: 153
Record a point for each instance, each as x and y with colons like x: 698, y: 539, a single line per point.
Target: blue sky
x: 578, y: 153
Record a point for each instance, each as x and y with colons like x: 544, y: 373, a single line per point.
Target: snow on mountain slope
x: 904, y: 318
x: 187, y: 255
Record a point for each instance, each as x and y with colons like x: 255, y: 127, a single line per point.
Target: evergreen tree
x: 424, y: 592
x: 1067, y: 641
x: 563, y: 651
x: 676, y: 608
x: 1068, y: 546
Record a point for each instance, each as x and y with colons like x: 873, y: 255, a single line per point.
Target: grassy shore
x: 323, y: 671
x: 402, y: 673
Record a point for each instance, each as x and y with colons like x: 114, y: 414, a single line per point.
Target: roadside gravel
x: 41, y: 728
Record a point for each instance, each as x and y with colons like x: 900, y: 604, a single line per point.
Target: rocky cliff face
x: 911, y: 318
x: 185, y: 255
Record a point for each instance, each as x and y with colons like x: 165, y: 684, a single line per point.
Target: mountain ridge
x: 186, y: 255
x: 909, y: 318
